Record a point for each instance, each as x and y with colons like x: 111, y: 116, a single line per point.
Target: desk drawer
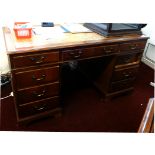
x: 76, y: 54
x: 130, y: 58
x: 34, y: 59
x: 89, y: 52
x: 121, y: 74
x: 37, y: 93
x: 38, y: 107
x: 120, y: 85
x: 36, y: 77
x: 132, y: 46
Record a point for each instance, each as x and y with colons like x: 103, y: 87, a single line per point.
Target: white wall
x: 71, y: 11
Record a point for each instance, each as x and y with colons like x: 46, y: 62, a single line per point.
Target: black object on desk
x: 115, y: 29
x: 47, y: 24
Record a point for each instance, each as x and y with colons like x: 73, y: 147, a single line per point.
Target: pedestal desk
x: 36, y: 67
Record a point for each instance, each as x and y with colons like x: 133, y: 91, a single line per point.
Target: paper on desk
x: 48, y: 32
x: 75, y: 28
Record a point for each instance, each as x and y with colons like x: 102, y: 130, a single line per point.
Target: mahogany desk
x: 36, y: 68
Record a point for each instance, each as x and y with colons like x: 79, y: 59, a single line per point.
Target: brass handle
x: 40, y: 108
x: 127, y: 59
x: 79, y: 54
x: 74, y: 55
x: 127, y: 74
x: 39, y: 79
x: 38, y: 60
x: 41, y: 94
x: 109, y: 50
x: 133, y: 47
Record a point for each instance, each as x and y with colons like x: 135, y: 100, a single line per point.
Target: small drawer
x: 101, y: 50
x: 37, y: 93
x: 132, y: 46
x: 131, y: 58
x: 36, y: 77
x: 120, y: 85
x: 89, y: 52
x: 111, y: 49
x: 38, y: 107
x: 72, y: 54
x: 34, y: 59
x: 121, y: 74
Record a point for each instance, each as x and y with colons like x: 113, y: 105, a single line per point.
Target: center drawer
x: 37, y: 93
x: 36, y: 77
x: 89, y: 52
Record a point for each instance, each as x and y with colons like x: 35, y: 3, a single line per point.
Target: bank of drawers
x: 126, y: 66
x: 35, y: 83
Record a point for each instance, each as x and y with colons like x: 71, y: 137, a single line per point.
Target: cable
x: 11, y: 94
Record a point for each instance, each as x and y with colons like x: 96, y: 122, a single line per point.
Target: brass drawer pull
x: 78, y: 55
x: 39, y: 95
x: 38, y: 60
x: 40, y: 108
x: 109, y: 50
x: 38, y: 79
x: 127, y: 59
x: 133, y: 47
x: 127, y: 74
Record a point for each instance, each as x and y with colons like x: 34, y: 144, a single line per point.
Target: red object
x: 22, y: 32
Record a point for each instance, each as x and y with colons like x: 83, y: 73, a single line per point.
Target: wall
x: 70, y: 11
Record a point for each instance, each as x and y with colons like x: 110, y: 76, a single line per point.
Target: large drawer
x: 120, y: 74
x: 38, y: 107
x: 128, y: 59
x: 34, y: 59
x: 36, y: 77
x: 123, y: 84
x: 132, y: 46
x: 89, y: 52
x: 37, y: 93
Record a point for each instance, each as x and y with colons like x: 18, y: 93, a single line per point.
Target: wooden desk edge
x: 11, y: 49
x: 147, y: 123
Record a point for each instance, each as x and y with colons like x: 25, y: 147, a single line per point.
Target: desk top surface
x: 65, y: 40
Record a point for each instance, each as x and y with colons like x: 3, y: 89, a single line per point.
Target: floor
x: 85, y: 111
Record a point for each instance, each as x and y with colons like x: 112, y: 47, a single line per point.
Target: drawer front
x: 76, y: 54
x: 89, y: 52
x: 120, y: 85
x: 37, y: 93
x: 121, y: 74
x: 131, y: 58
x: 34, y: 59
x: 36, y: 77
x: 132, y: 46
x: 38, y: 107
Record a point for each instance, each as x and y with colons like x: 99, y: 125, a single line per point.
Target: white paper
x: 76, y: 28
x: 48, y: 32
